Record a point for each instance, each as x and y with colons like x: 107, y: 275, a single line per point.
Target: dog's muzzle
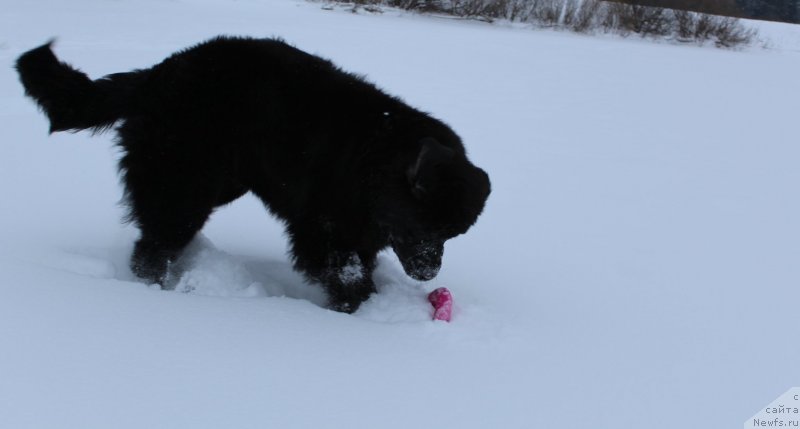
x: 421, y: 260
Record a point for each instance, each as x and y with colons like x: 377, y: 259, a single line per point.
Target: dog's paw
x: 347, y: 304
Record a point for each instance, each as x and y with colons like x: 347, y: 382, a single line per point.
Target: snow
x: 352, y: 272
x: 637, y: 264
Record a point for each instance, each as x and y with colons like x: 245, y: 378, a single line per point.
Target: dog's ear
x: 421, y: 174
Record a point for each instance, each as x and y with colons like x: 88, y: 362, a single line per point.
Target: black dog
x: 349, y: 169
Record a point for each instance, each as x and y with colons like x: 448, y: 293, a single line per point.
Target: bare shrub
x: 685, y: 24
x: 403, y: 4
x: 416, y: 5
x: 546, y: 12
x: 519, y: 10
x: 484, y: 9
x: 489, y: 10
x: 729, y: 33
x: 569, y: 10
x: 642, y: 20
x: 698, y: 27
x: 619, y: 17
x: 704, y: 28
x: 588, y: 16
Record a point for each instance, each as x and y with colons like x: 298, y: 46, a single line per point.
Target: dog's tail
x: 70, y: 99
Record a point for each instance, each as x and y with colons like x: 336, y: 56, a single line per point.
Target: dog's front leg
x: 344, y: 271
x: 348, y: 280
x: 346, y: 276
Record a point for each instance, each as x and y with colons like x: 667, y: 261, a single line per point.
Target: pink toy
x: 442, y: 301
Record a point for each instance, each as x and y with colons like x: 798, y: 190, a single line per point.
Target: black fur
x: 349, y: 169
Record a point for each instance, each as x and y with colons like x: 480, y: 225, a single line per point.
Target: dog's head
x: 445, y: 194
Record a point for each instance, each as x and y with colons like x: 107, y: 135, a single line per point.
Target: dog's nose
x: 425, y: 273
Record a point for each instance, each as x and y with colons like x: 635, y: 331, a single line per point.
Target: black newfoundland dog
x: 348, y: 168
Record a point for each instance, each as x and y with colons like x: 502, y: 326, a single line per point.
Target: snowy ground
x: 638, y: 265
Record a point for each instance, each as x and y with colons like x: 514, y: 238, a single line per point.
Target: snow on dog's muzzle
x: 421, y: 260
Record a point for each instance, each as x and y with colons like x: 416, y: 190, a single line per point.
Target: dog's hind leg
x: 170, y: 198
x: 162, y: 242
x: 167, y: 224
